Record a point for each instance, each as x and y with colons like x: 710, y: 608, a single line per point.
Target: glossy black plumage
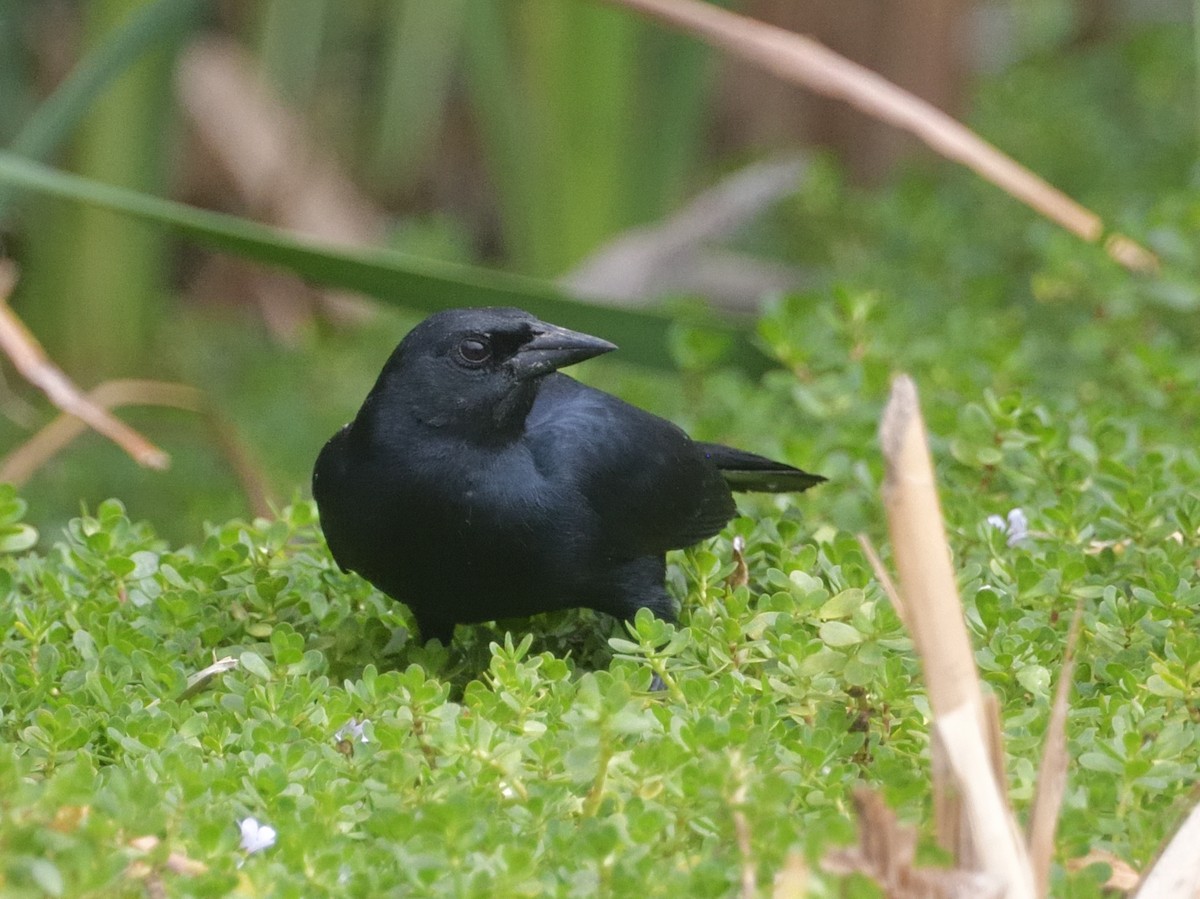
x: 477, y: 482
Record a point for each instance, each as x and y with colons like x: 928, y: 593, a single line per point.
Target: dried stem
x: 1052, y: 773
x: 885, y: 579
x: 28, y: 357
x: 24, y: 461
x: 927, y: 583
x: 741, y: 830
x: 800, y: 59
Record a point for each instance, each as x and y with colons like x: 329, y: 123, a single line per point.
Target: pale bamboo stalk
x: 927, y: 583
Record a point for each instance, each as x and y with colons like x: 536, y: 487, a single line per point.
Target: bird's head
x: 476, y: 370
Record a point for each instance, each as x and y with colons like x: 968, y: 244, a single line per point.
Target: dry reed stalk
x: 23, y: 462
x: 1052, y: 773
x: 28, y: 357
x: 804, y: 61
x: 935, y: 613
x: 276, y: 170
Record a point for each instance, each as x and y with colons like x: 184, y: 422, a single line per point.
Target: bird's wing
x: 651, y: 487
x: 747, y: 471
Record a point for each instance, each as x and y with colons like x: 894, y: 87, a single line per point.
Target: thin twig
x: 1052, y: 772
x: 922, y: 558
x: 24, y: 461
x: 28, y: 357
x: 885, y: 578
x: 800, y: 59
x: 741, y: 831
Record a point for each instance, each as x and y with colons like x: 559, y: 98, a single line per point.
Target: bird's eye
x: 474, y: 351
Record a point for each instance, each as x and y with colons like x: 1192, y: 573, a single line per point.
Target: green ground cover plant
x: 528, y: 757
x: 518, y: 763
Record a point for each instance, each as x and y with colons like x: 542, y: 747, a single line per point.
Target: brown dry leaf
x: 176, y: 862
x: 277, y: 169
x: 674, y: 256
x: 68, y: 818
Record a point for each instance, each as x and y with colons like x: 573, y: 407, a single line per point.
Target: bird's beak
x: 553, y: 348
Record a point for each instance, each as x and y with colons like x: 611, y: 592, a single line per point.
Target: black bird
x: 477, y: 482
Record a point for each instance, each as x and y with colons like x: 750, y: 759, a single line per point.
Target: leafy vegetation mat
x: 338, y: 758
x: 513, y: 766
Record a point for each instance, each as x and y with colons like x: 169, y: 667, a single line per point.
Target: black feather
x: 476, y: 482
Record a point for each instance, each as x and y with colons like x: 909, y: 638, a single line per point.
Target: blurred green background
x: 523, y: 136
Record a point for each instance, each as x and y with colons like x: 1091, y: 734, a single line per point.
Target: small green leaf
x: 1035, y: 679
x: 1100, y: 761
x: 843, y: 604
x: 16, y: 538
x: 1159, y: 686
x: 47, y: 876
x: 255, y: 664
x: 839, y: 633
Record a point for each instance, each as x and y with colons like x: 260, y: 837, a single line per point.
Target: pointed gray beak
x: 553, y: 348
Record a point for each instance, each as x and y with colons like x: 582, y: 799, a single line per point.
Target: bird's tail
x: 745, y: 471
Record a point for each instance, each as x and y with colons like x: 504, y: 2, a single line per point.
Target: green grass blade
x: 293, y: 35
x: 54, y: 120
x: 16, y: 89
x: 100, y: 313
x: 424, y: 43
x: 671, y: 117
x: 520, y: 166
x: 390, y: 276
x: 585, y: 69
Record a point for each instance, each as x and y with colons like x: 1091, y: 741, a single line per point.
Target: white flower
x: 1016, y: 527
x: 256, y: 836
x: 352, y: 730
